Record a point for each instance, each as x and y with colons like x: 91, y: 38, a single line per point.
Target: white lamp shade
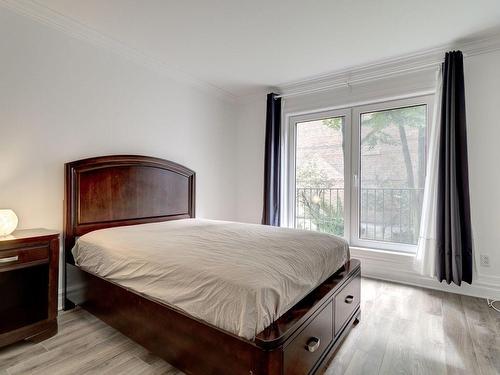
x: 8, y: 222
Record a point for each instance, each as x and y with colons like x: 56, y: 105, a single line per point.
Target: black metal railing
x: 385, y: 214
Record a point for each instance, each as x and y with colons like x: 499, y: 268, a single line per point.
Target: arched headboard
x: 116, y: 190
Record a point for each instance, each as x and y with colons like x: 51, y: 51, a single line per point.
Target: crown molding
x: 419, y: 61
x: 49, y: 17
x: 422, y: 60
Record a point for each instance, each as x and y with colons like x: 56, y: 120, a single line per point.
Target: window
x: 361, y: 179
x: 319, y: 177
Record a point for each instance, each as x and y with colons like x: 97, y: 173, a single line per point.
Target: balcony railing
x: 386, y: 214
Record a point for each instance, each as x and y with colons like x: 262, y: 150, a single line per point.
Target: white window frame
x: 351, y: 116
x: 356, y: 168
x: 292, y: 143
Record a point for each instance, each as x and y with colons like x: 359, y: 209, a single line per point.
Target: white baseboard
x: 398, y: 267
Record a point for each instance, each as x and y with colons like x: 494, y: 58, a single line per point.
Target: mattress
x: 237, y: 277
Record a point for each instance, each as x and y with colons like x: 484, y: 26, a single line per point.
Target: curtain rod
x: 375, y: 77
x: 348, y: 83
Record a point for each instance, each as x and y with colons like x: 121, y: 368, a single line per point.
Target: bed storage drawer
x: 346, y: 302
x: 302, y: 353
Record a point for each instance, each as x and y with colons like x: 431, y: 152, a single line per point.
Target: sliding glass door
x: 361, y: 176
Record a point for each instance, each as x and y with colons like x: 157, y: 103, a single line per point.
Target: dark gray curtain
x: 454, y: 234
x: 272, y: 188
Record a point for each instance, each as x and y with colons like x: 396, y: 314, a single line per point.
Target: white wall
x: 483, y: 126
x: 483, y: 98
x: 63, y: 99
x: 250, y: 157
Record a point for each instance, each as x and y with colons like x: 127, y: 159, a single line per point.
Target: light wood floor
x: 403, y: 330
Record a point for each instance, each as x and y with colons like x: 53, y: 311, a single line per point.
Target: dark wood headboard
x: 116, y: 190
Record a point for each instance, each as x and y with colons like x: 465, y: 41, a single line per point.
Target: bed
x: 210, y: 297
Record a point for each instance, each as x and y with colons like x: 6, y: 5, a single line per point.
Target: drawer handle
x: 349, y: 299
x: 313, y: 344
x: 9, y: 259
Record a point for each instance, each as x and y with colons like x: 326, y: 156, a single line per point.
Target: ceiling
x: 242, y: 46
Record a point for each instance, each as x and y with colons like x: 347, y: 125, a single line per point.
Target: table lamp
x: 8, y: 222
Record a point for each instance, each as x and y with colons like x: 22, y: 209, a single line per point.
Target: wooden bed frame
x: 121, y: 190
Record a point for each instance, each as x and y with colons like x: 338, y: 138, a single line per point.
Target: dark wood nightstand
x: 29, y: 263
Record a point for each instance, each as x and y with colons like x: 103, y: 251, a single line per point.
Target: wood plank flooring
x: 403, y: 330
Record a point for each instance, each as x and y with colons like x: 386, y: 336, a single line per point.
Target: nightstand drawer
x: 22, y: 257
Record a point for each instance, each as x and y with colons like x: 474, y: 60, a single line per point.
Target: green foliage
x: 377, y: 122
x: 388, y: 215
x: 334, y: 123
x: 310, y: 175
x: 319, y: 212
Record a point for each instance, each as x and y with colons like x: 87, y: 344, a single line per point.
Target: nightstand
x: 29, y: 263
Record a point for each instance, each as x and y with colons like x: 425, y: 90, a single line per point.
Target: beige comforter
x: 238, y: 277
